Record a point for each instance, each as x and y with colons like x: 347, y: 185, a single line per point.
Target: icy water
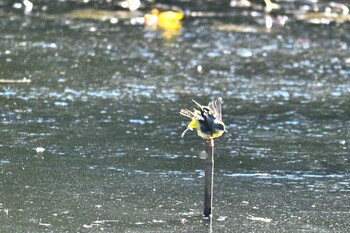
x: 90, y: 137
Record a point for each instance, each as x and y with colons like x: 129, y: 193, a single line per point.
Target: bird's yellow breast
x: 194, y: 124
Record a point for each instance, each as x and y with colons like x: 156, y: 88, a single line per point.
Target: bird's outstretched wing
x: 215, y: 106
x: 195, y: 114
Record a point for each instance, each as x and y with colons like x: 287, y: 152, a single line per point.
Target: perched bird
x: 207, y: 120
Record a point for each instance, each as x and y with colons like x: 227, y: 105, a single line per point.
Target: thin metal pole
x: 209, y: 175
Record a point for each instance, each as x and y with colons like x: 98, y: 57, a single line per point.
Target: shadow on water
x: 90, y: 139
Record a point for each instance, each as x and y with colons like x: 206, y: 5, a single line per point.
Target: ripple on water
x: 289, y: 176
x: 5, y: 161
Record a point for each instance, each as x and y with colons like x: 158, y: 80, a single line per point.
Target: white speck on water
x: 283, y: 94
x: 114, y: 20
x: 137, y: 121
x: 111, y: 220
x: 200, y: 173
x: 39, y: 149
x: 188, y: 178
x: 94, y: 224
x: 44, y: 224
x: 98, y: 222
x: 267, y: 220
x: 4, y: 161
x: 190, y: 213
x: 336, y: 93
x: 222, y: 218
x: 199, y: 69
x: 17, y: 5
x: 244, y: 53
x: 62, y: 104
x: 203, y: 155
x: 157, y: 221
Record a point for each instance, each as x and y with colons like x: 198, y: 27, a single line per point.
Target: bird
x: 207, y: 120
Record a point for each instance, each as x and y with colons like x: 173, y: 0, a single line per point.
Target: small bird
x: 207, y: 120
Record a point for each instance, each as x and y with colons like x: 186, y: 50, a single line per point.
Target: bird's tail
x: 186, y: 113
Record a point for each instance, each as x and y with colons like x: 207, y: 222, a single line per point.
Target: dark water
x: 103, y: 102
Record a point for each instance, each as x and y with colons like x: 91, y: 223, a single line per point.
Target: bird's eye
x: 221, y: 126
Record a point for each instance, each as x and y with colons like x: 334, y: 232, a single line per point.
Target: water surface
x: 103, y: 101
